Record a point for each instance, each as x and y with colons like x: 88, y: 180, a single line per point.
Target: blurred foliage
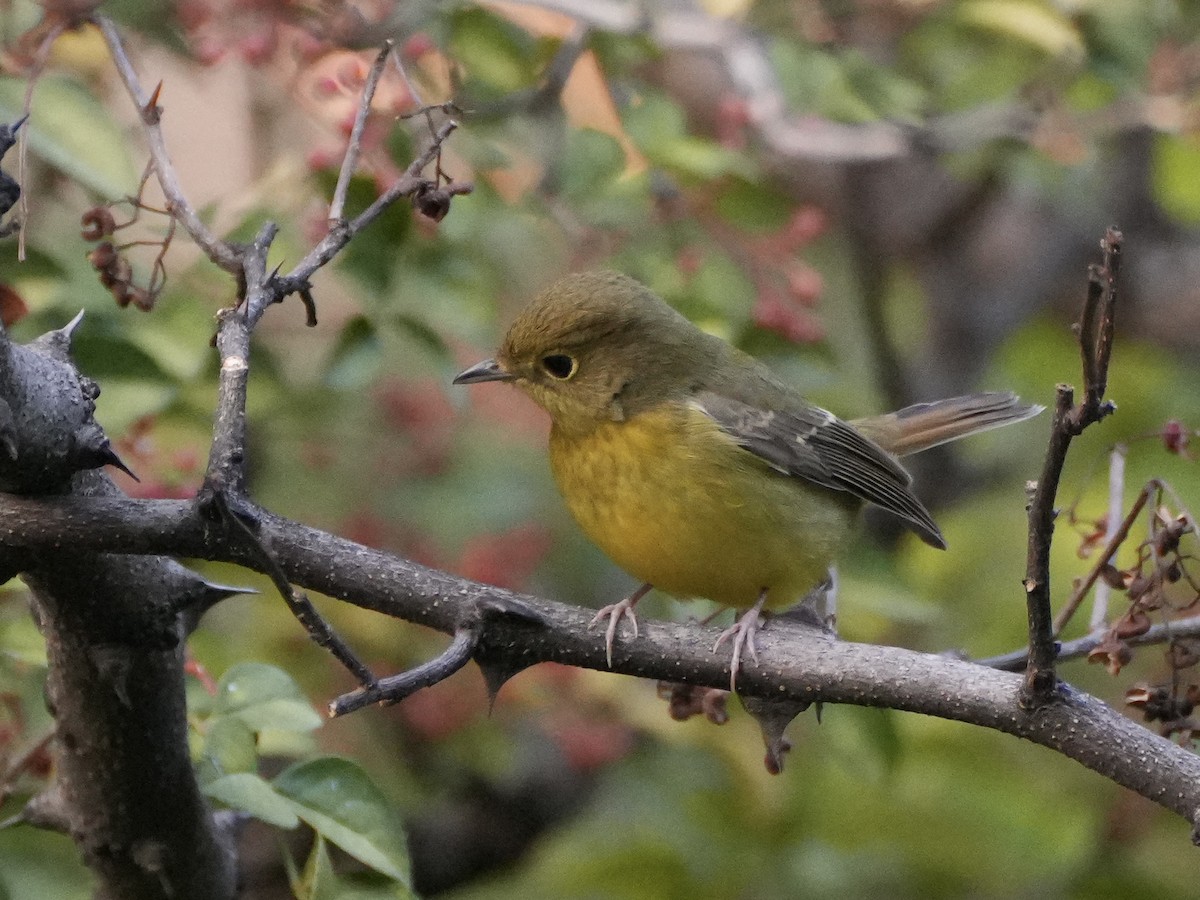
x: 577, y: 784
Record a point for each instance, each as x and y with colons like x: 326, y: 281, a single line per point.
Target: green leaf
x: 339, y: 801
x: 699, y: 157
x: 492, y: 50
x: 720, y: 286
x: 21, y: 642
x: 230, y: 746
x: 320, y: 881
x: 1034, y: 24
x: 254, y: 795
x: 264, y: 697
x: 371, y: 256
x: 881, y: 735
x: 1176, y: 177
x: 754, y: 206
x: 658, y: 127
x: 357, y: 358
x: 424, y: 334
x: 592, y: 160
x: 72, y: 131
x: 653, y: 120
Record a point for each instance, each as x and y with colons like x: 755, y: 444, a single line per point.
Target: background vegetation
x: 901, y: 207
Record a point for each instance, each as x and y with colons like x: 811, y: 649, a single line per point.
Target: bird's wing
x: 813, y: 444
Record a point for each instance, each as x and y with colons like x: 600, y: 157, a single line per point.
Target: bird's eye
x: 559, y: 365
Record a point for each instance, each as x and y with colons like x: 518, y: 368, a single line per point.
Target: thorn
x: 310, y: 307
x: 498, y: 668
x: 8, y: 133
x: 68, y: 330
x: 496, y: 671
x: 512, y: 606
x: 202, y: 596
x: 46, y: 810
x: 108, y: 456
x: 152, y: 112
x: 773, y: 717
x: 218, y: 592
x: 57, y: 342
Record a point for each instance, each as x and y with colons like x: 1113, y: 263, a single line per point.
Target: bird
x: 693, y: 467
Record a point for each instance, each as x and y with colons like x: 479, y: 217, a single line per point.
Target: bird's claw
x: 615, y: 612
x: 744, y: 634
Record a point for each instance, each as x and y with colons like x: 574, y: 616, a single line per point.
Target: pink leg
x: 744, y: 633
x: 615, y: 612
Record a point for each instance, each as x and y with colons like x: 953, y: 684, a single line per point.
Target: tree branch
x: 1095, y: 341
x: 797, y: 663
x: 220, y: 252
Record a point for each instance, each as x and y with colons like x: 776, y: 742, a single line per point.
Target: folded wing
x: 815, y: 445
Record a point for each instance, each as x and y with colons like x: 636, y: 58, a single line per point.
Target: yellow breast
x: 675, y: 502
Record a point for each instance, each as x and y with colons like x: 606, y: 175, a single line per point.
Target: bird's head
x: 597, y: 347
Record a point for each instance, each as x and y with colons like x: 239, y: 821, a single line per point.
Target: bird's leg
x: 744, y: 633
x: 615, y: 612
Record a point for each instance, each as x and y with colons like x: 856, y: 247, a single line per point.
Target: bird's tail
x: 924, y: 425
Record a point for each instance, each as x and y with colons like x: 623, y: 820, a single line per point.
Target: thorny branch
x: 797, y: 663
x: 83, y: 796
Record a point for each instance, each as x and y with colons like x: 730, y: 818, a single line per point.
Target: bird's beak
x: 488, y: 370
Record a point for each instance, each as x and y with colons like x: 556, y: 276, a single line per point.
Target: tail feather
x: 924, y: 425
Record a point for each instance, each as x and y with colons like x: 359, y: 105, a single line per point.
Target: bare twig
x: 1118, y: 533
x: 1160, y: 633
x: 39, y: 65
x: 398, y: 64
x: 354, y: 147
x: 217, y: 250
x: 396, y: 687
x: 216, y: 503
x: 1095, y: 338
x: 339, y: 236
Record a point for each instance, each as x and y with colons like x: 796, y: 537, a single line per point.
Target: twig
x: 354, y: 147
x: 1118, y: 536
x: 397, y: 687
x: 339, y: 236
x: 39, y: 66
x: 216, y: 503
x: 411, y: 85
x: 1095, y: 338
x: 1068, y: 650
x: 217, y: 250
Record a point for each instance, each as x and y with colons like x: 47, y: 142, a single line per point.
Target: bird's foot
x: 744, y: 635
x: 614, y: 612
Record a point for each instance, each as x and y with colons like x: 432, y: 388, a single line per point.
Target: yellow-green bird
x: 692, y: 466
